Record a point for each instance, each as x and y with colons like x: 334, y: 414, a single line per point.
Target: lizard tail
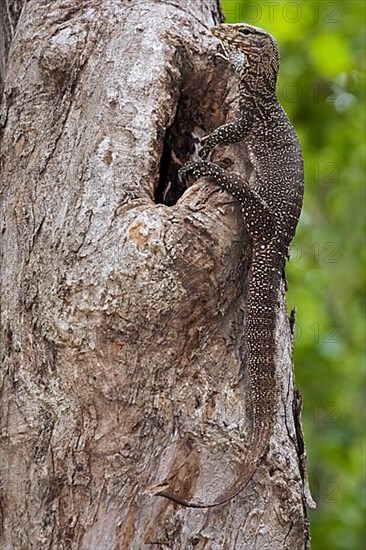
x: 246, y: 472
x: 259, y: 336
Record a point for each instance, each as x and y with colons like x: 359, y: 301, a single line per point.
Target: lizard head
x: 250, y: 49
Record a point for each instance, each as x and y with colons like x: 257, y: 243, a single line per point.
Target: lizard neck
x: 257, y: 88
x: 256, y: 100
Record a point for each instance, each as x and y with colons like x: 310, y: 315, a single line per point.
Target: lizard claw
x: 185, y: 172
x: 205, y: 150
x: 195, y: 169
x: 180, y: 175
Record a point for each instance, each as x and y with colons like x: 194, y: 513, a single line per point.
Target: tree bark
x: 123, y: 294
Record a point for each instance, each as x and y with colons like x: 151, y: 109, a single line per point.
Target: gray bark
x: 123, y: 296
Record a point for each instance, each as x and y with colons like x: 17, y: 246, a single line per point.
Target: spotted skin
x: 227, y: 133
x: 271, y: 202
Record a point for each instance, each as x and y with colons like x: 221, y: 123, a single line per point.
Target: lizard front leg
x: 231, y: 132
x: 258, y: 218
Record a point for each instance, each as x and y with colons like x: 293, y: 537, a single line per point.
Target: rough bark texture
x: 122, y: 296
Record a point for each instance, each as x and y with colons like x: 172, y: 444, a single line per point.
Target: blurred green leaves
x: 322, y: 88
x: 330, y: 54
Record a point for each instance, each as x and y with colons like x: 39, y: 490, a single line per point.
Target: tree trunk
x: 123, y: 294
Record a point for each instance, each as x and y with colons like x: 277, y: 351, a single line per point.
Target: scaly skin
x: 271, y: 203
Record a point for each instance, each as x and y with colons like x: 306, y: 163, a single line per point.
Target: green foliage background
x: 321, y: 86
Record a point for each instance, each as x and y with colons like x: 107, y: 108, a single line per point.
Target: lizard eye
x: 245, y: 31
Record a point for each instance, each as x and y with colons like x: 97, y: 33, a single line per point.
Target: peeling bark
x: 122, y: 292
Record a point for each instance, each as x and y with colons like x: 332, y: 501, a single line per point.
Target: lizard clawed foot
x: 193, y: 169
x: 205, y: 149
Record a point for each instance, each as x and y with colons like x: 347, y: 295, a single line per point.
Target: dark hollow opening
x: 179, y: 145
x: 169, y: 189
x: 201, y: 107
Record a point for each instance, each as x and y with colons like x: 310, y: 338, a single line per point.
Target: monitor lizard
x: 271, y: 202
